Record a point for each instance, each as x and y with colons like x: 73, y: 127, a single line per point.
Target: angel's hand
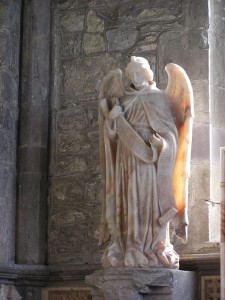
x: 156, y: 140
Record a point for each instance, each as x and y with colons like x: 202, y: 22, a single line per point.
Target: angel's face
x: 138, y: 76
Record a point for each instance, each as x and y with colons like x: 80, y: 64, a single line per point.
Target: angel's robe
x: 139, y: 200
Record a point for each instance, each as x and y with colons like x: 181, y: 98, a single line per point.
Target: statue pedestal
x: 142, y: 284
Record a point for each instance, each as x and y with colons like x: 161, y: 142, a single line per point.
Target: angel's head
x: 138, y: 71
x: 112, y: 85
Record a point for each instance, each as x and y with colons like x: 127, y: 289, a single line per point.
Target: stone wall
x: 9, y: 72
x: 89, y: 38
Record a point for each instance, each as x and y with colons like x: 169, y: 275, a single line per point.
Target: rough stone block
x: 71, y: 164
x: 121, y: 39
x: 71, y: 44
x: 73, y: 142
x: 72, y: 21
x: 147, y: 29
x: 94, y: 23
x: 70, y: 4
x: 93, y: 43
x: 142, y: 11
x: 78, y: 74
x: 140, y: 284
x: 75, y: 118
x: 149, y: 43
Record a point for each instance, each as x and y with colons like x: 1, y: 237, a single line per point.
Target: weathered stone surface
x: 148, y: 29
x: 175, y: 47
x: 214, y: 205
x: 196, y: 14
x: 31, y: 245
x: 71, y: 44
x: 75, y: 118
x: 200, y: 139
x: 66, y: 241
x: 83, y: 75
x: 7, y: 147
x: 71, y: 164
x: 147, y: 44
x: 9, y: 62
x: 144, y: 11
x: 34, y: 127
x: 73, y: 142
x: 72, y: 21
x: 93, y: 43
x: 201, y: 101
x: 217, y: 106
x: 138, y: 284
x: 217, y: 14
x: 121, y: 39
x: 217, y: 72
x: 94, y: 23
x: 33, y: 135
x: 8, y: 88
x: 8, y: 117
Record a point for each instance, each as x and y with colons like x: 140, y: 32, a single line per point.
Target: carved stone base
x: 142, y: 284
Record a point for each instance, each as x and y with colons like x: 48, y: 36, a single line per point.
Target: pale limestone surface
x: 145, y: 143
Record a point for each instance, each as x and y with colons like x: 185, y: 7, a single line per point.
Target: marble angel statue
x: 145, y: 145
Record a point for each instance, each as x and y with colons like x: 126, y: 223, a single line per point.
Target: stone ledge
x: 55, y: 275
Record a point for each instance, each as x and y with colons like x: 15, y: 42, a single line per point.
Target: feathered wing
x: 180, y: 95
x: 111, y: 89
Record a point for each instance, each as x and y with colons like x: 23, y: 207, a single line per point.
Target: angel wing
x: 111, y: 89
x: 180, y: 95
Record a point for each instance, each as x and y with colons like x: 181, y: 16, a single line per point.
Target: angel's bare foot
x: 134, y: 258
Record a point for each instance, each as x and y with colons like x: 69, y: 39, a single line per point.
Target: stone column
x: 217, y: 104
x: 9, y: 86
x: 222, y: 222
x: 33, y: 137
